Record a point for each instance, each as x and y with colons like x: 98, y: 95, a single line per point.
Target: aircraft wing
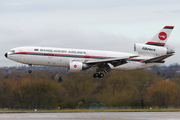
x: 156, y: 59
x: 115, y: 62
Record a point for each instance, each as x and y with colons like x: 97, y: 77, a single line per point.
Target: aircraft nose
x: 6, y: 55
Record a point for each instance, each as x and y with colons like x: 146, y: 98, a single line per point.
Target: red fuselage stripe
x: 143, y: 60
x: 71, y: 55
x: 68, y: 55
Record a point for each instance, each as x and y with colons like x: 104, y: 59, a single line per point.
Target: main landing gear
x: 99, y: 75
x: 102, y: 68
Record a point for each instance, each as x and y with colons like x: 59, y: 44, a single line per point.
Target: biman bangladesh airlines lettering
x: 149, y: 54
x: 145, y: 48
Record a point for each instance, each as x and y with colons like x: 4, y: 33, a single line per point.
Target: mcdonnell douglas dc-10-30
x: 149, y: 54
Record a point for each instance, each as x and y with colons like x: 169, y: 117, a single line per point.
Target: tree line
x: 78, y: 90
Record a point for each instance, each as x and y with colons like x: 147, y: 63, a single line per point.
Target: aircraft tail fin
x: 160, y: 38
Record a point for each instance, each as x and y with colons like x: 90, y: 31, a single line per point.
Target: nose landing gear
x: 30, y: 69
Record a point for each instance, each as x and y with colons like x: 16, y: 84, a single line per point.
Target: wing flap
x: 115, y: 62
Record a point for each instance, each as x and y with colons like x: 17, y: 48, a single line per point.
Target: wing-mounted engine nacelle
x: 75, y: 66
x: 150, y: 49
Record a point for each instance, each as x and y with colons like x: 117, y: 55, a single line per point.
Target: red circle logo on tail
x: 162, y: 35
x: 75, y: 66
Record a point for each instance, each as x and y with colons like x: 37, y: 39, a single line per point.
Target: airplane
x: 149, y: 54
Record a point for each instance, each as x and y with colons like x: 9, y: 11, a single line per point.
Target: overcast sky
x: 113, y: 25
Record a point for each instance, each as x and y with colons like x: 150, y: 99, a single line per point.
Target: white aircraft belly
x: 47, y: 60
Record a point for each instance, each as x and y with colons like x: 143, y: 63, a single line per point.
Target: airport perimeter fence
x: 72, y: 108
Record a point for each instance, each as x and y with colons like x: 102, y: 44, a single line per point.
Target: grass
x: 89, y: 110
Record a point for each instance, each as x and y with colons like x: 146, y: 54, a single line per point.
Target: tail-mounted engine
x: 154, y: 50
x: 77, y: 66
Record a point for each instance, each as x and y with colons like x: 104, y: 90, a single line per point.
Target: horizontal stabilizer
x: 157, y: 59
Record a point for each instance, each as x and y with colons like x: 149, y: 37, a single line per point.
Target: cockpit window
x: 13, y: 51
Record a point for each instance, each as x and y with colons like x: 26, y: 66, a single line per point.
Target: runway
x: 93, y: 116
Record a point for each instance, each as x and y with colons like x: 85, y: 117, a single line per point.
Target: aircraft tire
x: 101, y: 75
x: 29, y: 71
x: 96, y: 75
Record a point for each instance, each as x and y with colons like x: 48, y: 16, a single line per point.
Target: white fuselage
x: 63, y: 56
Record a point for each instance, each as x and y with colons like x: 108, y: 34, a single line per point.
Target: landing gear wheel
x: 29, y: 71
x: 96, y: 75
x: 101, y: 75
